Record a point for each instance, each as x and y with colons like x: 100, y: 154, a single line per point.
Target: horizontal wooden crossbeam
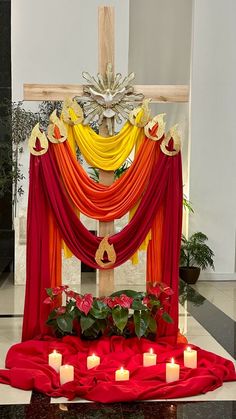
x: 158, y: 93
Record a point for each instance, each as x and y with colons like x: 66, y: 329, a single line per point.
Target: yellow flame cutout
x: 158, y: 119
x: 38, y: 134
x: 65, y: 113
x: 141, y: 116
x: 103, y: 247
x: 174, y: 134
x: 57, y: 132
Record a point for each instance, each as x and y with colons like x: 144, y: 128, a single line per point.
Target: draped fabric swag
x: 59, y: 187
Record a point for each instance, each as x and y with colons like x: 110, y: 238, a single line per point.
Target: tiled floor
x: 11, y: 303
x: 220, y: 293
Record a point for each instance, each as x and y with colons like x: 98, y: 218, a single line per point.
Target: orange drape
x: 102, y: 202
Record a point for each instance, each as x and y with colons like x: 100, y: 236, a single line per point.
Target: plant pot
x: 190, y: 274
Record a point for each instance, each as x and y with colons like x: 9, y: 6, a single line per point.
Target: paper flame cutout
x: 174, y: 135
x: 159, y: 120
x: 38, y: 142
x: 103, y: 247
x: 57, y: 132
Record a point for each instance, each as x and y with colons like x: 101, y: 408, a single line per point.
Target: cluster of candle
x: 149, y: 359
x: 66, y: 371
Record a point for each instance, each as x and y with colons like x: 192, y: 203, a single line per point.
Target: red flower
x: 155, y: 290
x: 71, y: 294
x: 146, y: 300
x: 84, y: 304
x: 56, y: 291
x: 48, y: 300
x: 125, y: 301
x: 61, y: 310
x: 112, y: 302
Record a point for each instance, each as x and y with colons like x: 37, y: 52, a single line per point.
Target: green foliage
x: 16, y: 125
x: 187, y: 204
x: 94, y: 172
x: 124, y: 313
x: 195, y: 252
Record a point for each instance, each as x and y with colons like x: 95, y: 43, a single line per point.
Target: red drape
x: 46, y: 194
x: 29, y: 369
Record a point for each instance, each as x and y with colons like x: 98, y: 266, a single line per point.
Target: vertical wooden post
x: 106, y: 55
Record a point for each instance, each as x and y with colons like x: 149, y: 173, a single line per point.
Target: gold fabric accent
x: 37, y: 134
x: 103, y: 247
x: 65, y: 113
x: 158, y: 119
x: 55, y: 122
x: 144, y: 117
x: 174, y: 134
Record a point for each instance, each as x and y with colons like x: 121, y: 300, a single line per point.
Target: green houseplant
x: 125, y: 313
x: 195, y: 255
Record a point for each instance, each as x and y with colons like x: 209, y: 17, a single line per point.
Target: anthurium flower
x: 125, y: 301
x: 84, y: 304
x: 61, y: 310
x: 48, y: 300
x: 71, y: 294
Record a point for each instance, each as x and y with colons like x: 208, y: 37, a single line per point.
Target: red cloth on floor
x: 29, y: 369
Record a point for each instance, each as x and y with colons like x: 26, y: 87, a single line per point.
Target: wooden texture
x: 106, y: 37
x: 106, y: 53
x: 158, y: 93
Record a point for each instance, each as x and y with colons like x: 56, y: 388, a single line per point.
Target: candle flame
x: 189, y: 349
x: 151, y: 351
x: 54, y: 351
x: 172, y: 361
x: 93, y: 355
x: 122, y: 369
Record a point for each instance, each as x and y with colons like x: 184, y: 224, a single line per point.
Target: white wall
x: 213, y: 128
x: 54, y: 41
x: 160, y: 53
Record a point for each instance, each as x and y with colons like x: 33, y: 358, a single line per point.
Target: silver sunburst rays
x: 109, y: 97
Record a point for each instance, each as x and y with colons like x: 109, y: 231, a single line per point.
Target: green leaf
x: 167, y: 317
x: 99, y: 310
x: 141, y: 321
x: 129, y: 293
x: 155, y: 303
x: 152, y: 324
x: 120, y: 317
x: 49, y: 292
x: 65, y: 323
x: 52, y: 323
x: 86, y: 322
x: 52, y: 315
x: 138, y: 305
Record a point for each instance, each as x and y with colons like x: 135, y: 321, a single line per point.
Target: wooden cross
x: 158, y: 94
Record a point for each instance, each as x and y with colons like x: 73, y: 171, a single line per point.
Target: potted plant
x: 194, y: 256
x: 125, y: 313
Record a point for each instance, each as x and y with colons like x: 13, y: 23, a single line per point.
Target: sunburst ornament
x: 109, y: 97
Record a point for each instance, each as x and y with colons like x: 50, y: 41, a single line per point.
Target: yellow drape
x: 106, y: 153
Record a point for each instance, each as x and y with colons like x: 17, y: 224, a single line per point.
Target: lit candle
x: 149, y: 358
x: 93, y: 361
x: 66, y: 374
x: 122, y: 375
x: 55, y: 360
x: 172, y: 371
x: 190, y: 358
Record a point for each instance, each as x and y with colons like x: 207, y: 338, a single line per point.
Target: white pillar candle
x: 93, y: 361
x: 55, y: 360
x: 122, y: 375
x: 149, y: 358
x: 172, y: 371
x: 190, y: 358
x: 66, y: 374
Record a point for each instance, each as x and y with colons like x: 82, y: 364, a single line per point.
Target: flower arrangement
x: 125, y: 313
